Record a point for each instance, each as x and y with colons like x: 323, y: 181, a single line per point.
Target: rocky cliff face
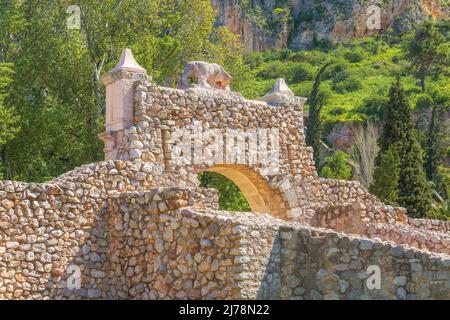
x: 301, y: 24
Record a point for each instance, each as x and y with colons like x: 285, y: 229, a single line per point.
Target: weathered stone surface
x: 310, y: 21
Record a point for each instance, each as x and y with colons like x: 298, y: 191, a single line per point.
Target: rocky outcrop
x: 342, y: 136
x: 301, y: 24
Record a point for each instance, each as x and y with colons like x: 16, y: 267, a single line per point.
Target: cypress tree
x: 313, y: 123
x: 414, y: 191
x: 397, y: 120
x: 435, y: 144
x: 386, y: 177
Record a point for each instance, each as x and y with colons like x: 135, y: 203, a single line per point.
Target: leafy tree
x: 8, y: 120
x: 414, y: 191
x: 230, y: 197
x: 12, y: 28
x: 313, y: 124
x: 56, y: 86
x: 426, y: 50
x: 337, y: 166
x: 386, y: 177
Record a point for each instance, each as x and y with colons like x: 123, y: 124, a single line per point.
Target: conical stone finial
x: 280, y: 92
x: 120, y: 101
x: 128, y: 63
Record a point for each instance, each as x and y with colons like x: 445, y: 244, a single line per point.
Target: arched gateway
x: 259, y: 145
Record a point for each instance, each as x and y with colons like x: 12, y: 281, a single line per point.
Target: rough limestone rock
x: 299, y: 24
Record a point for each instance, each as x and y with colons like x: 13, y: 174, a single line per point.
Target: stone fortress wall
x: 138, y: 226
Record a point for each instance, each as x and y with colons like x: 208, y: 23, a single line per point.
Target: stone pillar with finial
x: 120, y: 101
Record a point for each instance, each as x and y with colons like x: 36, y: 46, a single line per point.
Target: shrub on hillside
x: 337, y: 69
x: 372, y: 107
x: 337, y: 166
x: 299, y: 72
x: 348, y: 84
x: 354, y: 55
x: 273, y: 70
x: 253, y: 59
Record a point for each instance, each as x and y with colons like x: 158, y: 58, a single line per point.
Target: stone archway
x: 257, y: 192
x: 262, y: 141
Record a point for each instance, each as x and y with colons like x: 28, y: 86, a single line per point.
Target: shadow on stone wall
x: 271, y: 282
x: 316, y: 264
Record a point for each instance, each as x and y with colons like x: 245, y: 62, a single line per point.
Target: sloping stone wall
x: 328, y: 265
x: 141, y: 244
x: 352, y: 220
x: 45, y: 226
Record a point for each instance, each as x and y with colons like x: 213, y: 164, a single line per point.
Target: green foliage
x: 13, y: 26
x: 349, y: 84
x: 313, y: 123
x: 386, y: 177
x: 440, y: 208
x: 230, y: 197
x: 373, y: 107
x: 435, y: 140
x: 254, y: 59
x: 301, y: 72
x: 426, y: 50
x: 436, y: 143
x: 273, y: 70
x: 56, y: 86
x: 441, y: 180
x: 397, y: 122
x: 337, y: 166
x: 354, y: 55
x: 8, y: 120
x: 398, y: 130
x: 292, y: 72
x: 383, y: 59
x: 424, y: 101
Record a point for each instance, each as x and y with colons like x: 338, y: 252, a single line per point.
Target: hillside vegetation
x: 402, y: 82
x: 355, y: 87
